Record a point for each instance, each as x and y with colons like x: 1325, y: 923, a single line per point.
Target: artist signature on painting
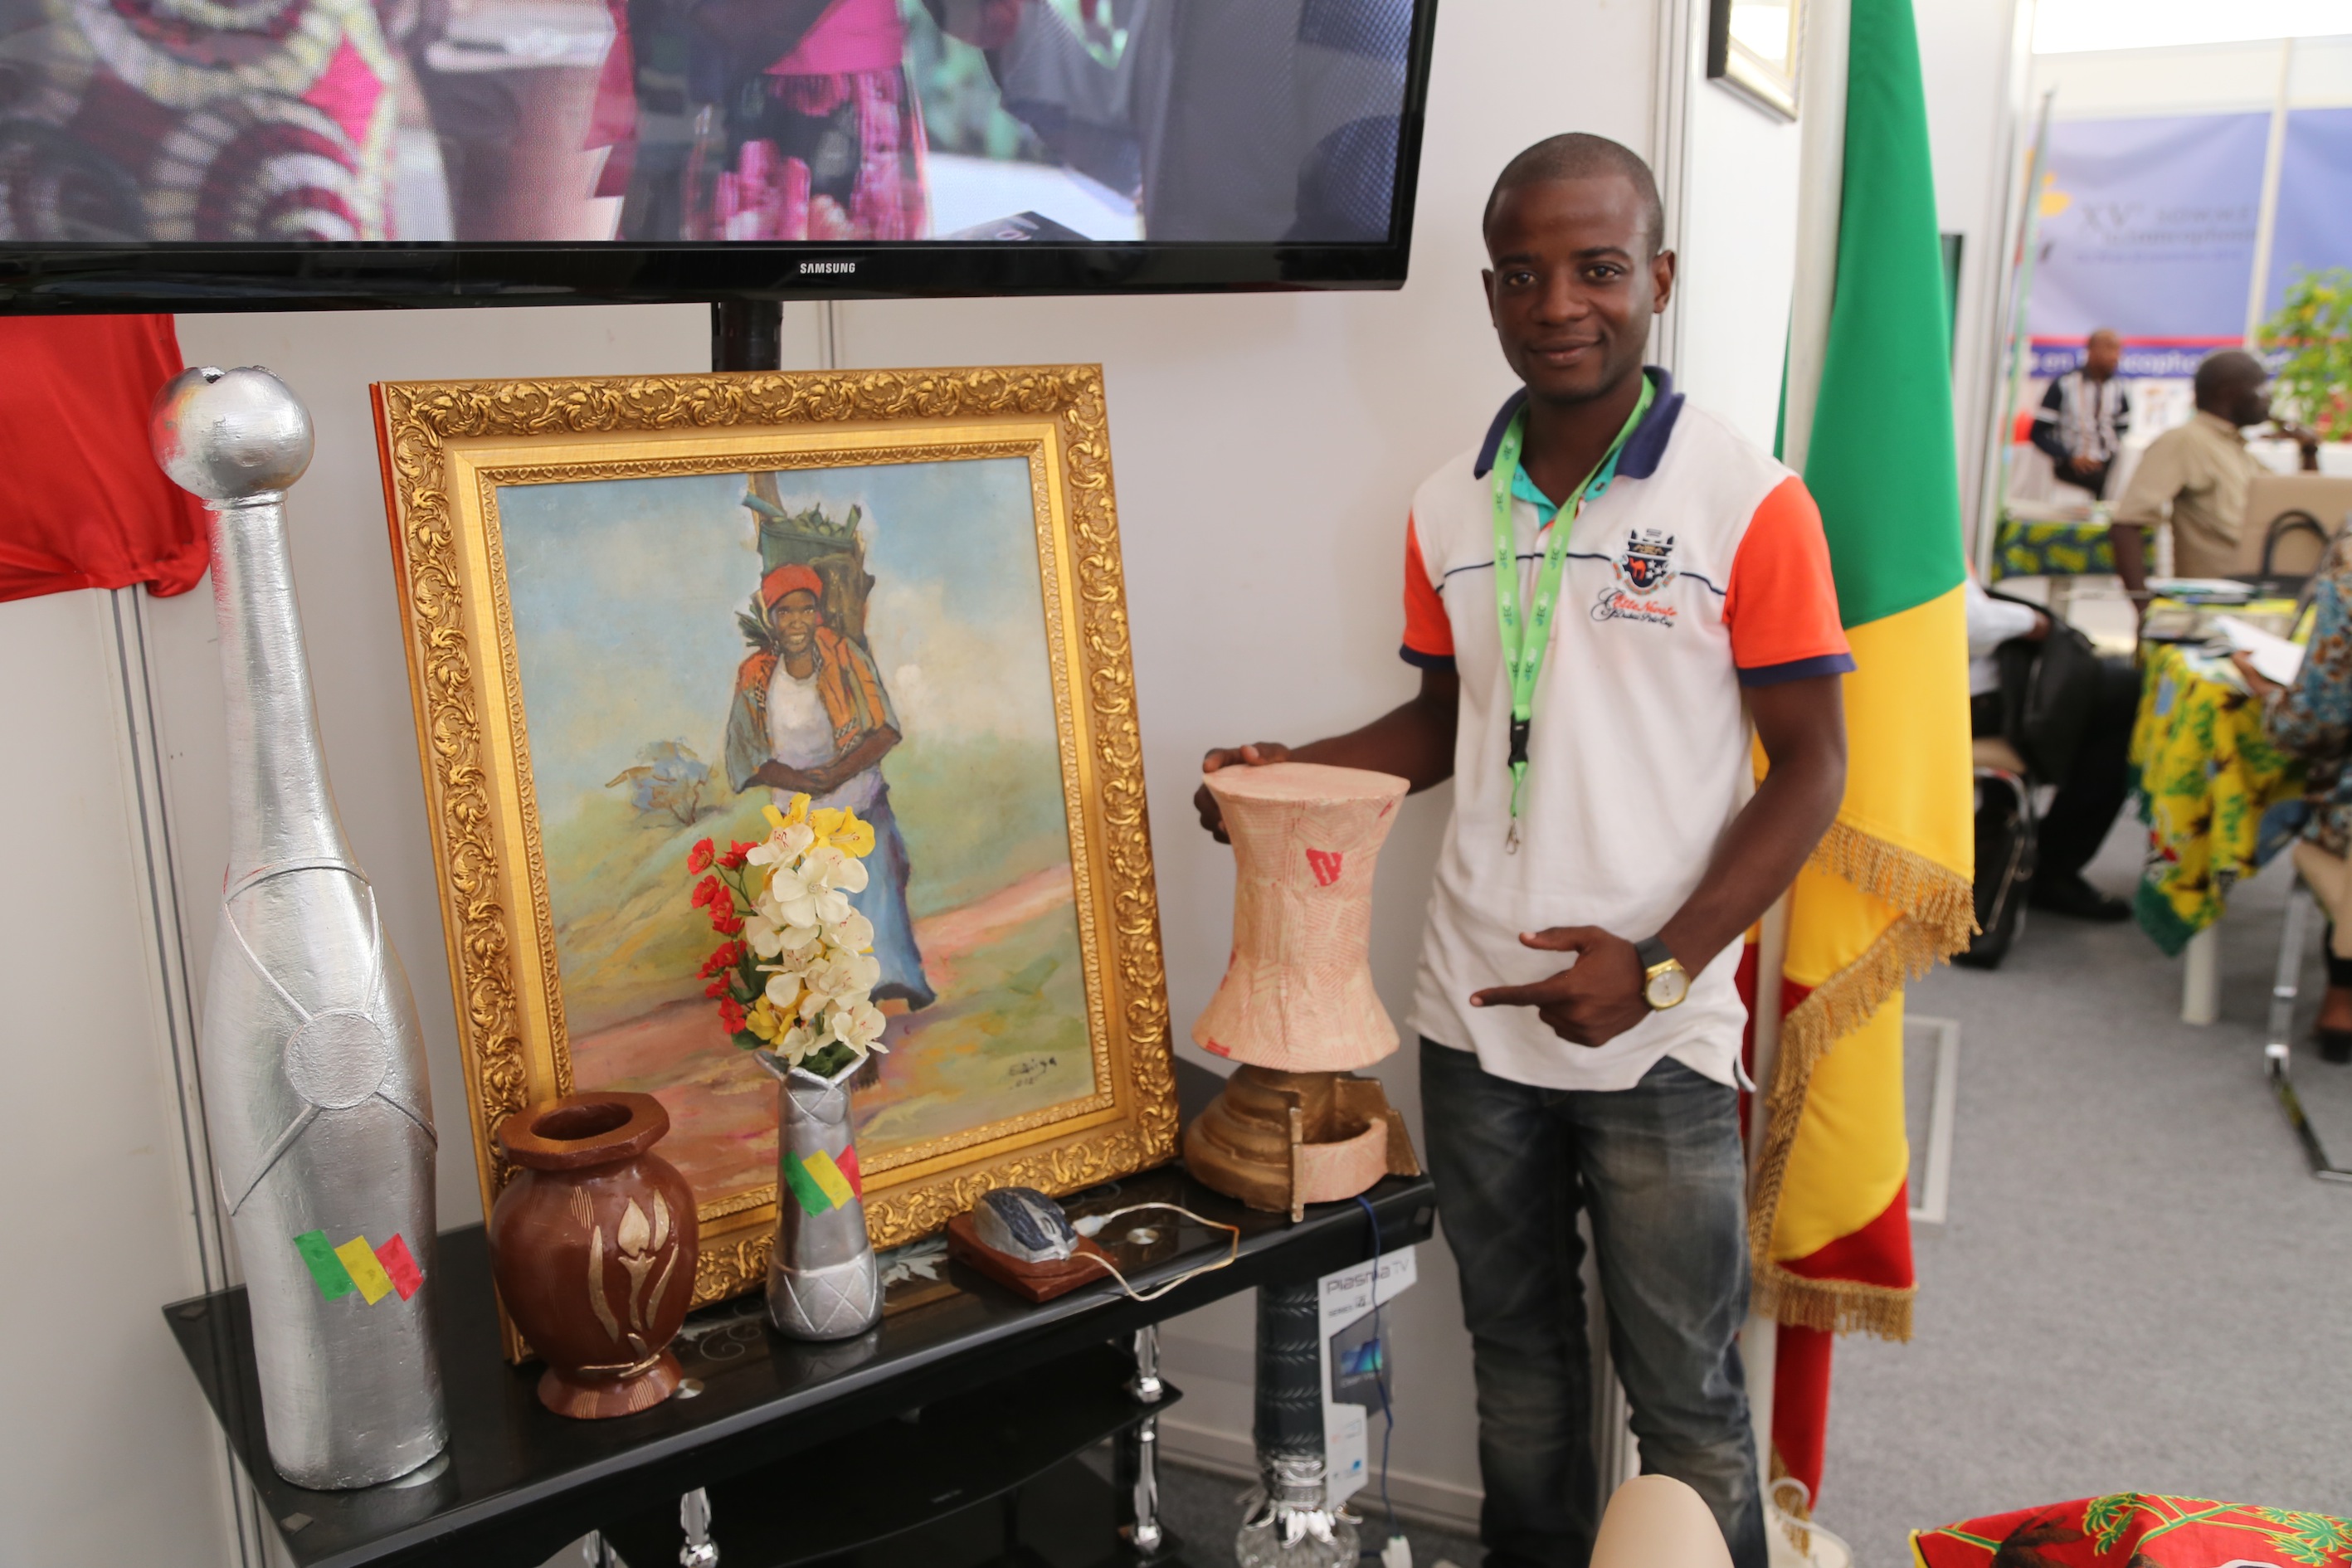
x: 1029, y: 1068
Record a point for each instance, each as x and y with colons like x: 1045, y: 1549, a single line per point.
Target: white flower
x: 856, y: 932
x: 761, y: 932
x: 850, y: 878
x: 797, y: 1045
x: 784, y: 991
x: 863, y: 1026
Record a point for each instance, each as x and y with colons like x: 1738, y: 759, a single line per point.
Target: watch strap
x: 1652, y: 954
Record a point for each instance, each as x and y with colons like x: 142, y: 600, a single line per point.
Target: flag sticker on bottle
x: 374, y: 1272
x: 822, y: 1181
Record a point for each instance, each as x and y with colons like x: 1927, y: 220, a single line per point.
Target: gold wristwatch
x: 1664, y: 982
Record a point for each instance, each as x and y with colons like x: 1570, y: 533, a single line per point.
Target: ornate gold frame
x: 446, y: 446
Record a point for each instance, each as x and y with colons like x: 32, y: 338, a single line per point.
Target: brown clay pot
x: 593, y: 1247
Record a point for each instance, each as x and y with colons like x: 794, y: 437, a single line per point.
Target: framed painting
x: 1752, y: 47
x: 602, y: 678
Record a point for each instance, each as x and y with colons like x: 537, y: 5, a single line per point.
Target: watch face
x: 1667, y: 987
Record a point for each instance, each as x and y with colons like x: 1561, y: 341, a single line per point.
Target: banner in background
x: 2313, y: 227
x: 2148, y: 227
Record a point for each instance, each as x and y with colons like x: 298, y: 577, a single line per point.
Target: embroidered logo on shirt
x: 1644, y: 570
x: 1646, y: 565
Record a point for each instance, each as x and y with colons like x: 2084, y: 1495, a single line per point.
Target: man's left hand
x: 1593, y: 1001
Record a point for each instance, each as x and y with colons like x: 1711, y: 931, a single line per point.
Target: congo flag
x: 1887, y: 895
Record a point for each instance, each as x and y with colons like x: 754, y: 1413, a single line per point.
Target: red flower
x: 722, y: 911
x: 698, y: 859
x: 731, y: 1014
x: 707, y: 889
x: 736, y: 851
x: 727, y: 927
x: 728, y: 955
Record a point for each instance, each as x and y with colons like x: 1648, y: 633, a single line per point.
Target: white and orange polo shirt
x: 1699, y: 571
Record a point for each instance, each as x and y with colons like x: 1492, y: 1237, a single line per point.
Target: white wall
x: 2203, y: 78
x: 1739, y: 256
x: 1972, y: 62
x: 106, y: 1451
x: 1265, y: 448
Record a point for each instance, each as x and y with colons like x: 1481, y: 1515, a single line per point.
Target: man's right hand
x: 1252, y: 756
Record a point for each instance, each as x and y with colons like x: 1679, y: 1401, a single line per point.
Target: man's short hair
x: 2225, y: 369
x: 1578, y: 155
x: 2109, y: 333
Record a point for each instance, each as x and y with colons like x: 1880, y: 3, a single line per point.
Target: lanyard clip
x: 1519, y: 742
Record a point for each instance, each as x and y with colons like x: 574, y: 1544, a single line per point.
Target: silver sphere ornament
x: 229, y: 436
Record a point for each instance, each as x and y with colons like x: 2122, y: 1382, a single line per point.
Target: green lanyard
x: 1525, y: 641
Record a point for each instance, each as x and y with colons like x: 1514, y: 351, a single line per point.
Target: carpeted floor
x: 2138, y: 1287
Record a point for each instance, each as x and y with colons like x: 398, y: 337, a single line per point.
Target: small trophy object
x: 1297, y: 1008
x: 315, y: 1093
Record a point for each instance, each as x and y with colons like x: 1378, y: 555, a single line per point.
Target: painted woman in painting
x: 810, y: 716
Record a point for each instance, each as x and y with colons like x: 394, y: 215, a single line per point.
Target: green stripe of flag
x: 333, y: 1280
x: 1881, y: 461
x: 804, y: 1187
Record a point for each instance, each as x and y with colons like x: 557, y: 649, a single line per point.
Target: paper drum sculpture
x: 1297, y: 1008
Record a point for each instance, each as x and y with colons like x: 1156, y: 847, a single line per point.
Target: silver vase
x: 823, y: 1283
x: 315, y: 1094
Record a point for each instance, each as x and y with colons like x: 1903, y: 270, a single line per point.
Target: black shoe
x: 2077, y: 899
x: 2334, y: 1045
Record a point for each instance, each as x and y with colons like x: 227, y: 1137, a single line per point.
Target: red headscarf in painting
x: 786, y: 579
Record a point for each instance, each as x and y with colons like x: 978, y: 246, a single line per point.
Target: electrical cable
x: 1092, y: 1226
x: 1381, y: 1371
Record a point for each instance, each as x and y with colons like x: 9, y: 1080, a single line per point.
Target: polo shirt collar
x: 2205, y: 417
x: 1639, y: 460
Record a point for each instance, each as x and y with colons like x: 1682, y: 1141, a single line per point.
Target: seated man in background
x: 2085, y: 416
x: 2095, y: 781
x: 2197, y: 477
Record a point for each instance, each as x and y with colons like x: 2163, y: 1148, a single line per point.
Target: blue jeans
x: 1660, y: 1168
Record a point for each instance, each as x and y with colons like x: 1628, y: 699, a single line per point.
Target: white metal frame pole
x: 2266, y: 223
x: 1820, y: 203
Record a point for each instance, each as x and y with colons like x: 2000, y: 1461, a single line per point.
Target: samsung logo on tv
x: 828, y: 267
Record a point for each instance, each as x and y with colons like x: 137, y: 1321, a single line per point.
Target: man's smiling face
x: 1575, y: 281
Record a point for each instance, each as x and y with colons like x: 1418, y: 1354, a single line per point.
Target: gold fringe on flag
x: 1935, y: 918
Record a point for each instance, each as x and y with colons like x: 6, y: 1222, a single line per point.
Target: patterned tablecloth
x: 2139, y: 1530
x: 2207, y: 782
x: 2039, y: 549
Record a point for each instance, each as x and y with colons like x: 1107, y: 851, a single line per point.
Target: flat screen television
x: 243, y: 154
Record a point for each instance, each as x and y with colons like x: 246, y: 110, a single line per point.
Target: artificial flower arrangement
x: 794, y: 978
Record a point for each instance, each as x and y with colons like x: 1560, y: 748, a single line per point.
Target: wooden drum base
x: 1281, y: 1141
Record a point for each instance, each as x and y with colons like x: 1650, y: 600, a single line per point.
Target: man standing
x: 2083, y: 416
x: 1601, y: 597
x: 2196, y: 476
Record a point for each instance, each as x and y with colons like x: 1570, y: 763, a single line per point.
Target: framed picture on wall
x: 601, y: 682
x: 1752, y: 49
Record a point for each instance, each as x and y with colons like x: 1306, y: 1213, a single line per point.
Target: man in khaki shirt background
x: 2196, y: 476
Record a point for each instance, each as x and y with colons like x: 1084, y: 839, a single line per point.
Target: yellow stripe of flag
x: 367, y: 1273
x: 828, y: 1176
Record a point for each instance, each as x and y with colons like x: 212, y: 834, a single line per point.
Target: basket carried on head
x: 808, y: 538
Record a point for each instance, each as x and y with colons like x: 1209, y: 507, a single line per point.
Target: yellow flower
x: 796, y: 812
x: 762, y: 1020
x: 843, y: 830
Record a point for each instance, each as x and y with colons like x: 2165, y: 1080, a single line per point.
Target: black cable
x: 1381, y: 1372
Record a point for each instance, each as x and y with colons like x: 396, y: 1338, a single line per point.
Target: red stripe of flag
x: 847, y: 1161
x: 400, y: 1268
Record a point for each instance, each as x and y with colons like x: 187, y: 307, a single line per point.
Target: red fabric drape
x: 82, y: 504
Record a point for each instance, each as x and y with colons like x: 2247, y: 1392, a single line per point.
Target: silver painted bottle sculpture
x: 823, y: 1282
x: 315, y: 1092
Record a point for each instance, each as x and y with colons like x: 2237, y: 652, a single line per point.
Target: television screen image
x: 546, y: 133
